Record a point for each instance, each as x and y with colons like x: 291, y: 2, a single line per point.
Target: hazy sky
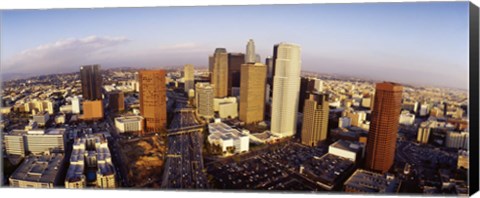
x: 422, y: 43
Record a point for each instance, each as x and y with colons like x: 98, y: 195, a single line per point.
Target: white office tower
x: 188, y: 77
x: 250, y: 56
x: 286, y: 88
x: 204, y: 94
x: 318, y: 85
x: 76, y: 105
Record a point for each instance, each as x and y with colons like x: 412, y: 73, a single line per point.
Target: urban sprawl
x: 242, y: 123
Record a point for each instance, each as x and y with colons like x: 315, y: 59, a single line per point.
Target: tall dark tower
x: 382, y: 137
x: 445, y: 108
x: 91, y: 82
x: 235, y: 61
x: 307, y: 85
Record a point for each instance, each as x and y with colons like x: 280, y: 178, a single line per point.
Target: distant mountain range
x: 14, y: 76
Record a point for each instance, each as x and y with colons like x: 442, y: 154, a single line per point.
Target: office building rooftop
x: 129, y: 119
x: 43, y: 169
x: 371, y: 182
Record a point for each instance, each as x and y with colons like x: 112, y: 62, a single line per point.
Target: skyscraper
x: 91, y: 82
x: 250, y: 56
x: 269, y: 63
x: 382, y: 137
x: 315, y: 119
x: 235, y: 61
x: 307, y: 85
x: 286, y: 85
x: 153, y: 99
x: 219, y: 72
x: 91, y: 89
x: 252, y: 92
x: 204, y: 94
x: 189, y: 77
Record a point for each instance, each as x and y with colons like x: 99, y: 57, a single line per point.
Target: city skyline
x: 339, y: 101
x: 383, y: 39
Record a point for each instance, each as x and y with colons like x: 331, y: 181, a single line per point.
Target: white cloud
x: 62, y: 55
x: 67, y: 55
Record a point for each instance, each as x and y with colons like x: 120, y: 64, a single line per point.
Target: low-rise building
x: 21, y: 142
x: 344, y: 122
x: 15, y: 143
x: 457, y: 140
x: 129, y: 124
x: 38, y: 172
x: 90, y: 163
x: 229, y: 139
x: 226, y: 107
x: 329, y: 171
x: 463, y: 159
x: 60, y: 119
x: 41, y: 141
x: 407, y: 118
x: 41, y: 118
x: 92, y: 110
x: 66, y: 109
x: 6, y: 110
x: 347, y: 149
x: 363, y: 181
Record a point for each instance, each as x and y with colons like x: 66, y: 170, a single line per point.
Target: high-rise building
x: 76, y: 105
x: 204, y: 94
x: 424, y: 130
x: 286, y: 87
x: 91, y: 89
x: 307, y: 85
x: 219, y: 72
x: 269, y: 63
x: 252, y: 92
x: 382, y: 137
x: 116, y: 101
x: 188, y: 77
x: 91, y: 82
x: 153, y: 101
x: 315, y: 119
x: 445, y: 109
x: 235, y: 61
x: 250, y: 55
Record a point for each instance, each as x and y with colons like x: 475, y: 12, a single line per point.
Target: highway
x: 184, y: 167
